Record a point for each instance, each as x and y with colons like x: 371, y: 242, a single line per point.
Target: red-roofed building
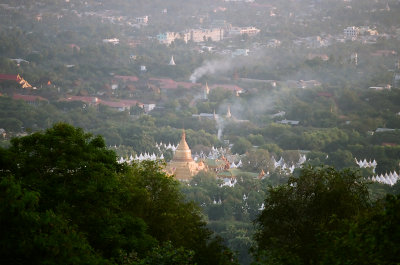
x: 167, y: 83
x: 384, y: 53
x: 232, y: 88
x: 120, y: 106
x: 74, y: 46
x: 30, y: 99
x: 9, y: 77
x: 126, y: 78
x: 131, y: 102
x: 88, y: 100
x: 259, y: 5
x: 325, y: 94
x: 187, y: 85
x: 389, y: 144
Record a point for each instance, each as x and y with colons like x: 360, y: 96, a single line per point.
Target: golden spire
x: 183, y: 151
x: 262, y: 174
x: 183, y: 144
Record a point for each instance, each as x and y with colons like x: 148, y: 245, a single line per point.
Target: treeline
x: 318, y: 215
x: 230, y: 210
x: 338, y: 145
x: 323, y: 216
x: 118, y: 128
x: 65, y: 200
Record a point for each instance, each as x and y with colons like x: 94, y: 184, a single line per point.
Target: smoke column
x: 220, y: 127
x: 211, y: 67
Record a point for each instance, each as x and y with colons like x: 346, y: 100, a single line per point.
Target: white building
x: 149, y: 107
x: 142, y: 20
x: 114, y: 41
x: 195, y: 35
x: 251, y: 31
x: 351, y: 32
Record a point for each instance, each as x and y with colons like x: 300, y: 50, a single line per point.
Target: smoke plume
x: 211, y: 67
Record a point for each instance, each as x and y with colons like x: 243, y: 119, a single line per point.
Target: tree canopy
x: 66, y: 200
x: 299, y: 215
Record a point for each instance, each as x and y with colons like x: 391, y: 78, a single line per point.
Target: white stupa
x: 172, y: 62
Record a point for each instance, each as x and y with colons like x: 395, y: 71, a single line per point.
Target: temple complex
x: 182, y: 165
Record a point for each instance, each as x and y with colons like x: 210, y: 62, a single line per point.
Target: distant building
x: 30, y: 99
x: 384, y: 53
x: 166, y: 83
x: 365, y: 30
x: 323, y: 57
x: 200, y: 35
x: 236, y: 89
x: 120, y: 106
x: 396, y: 80
x: 240, y: 52
x: 384, y: 130
x: 251, y: 31
x: 274, y: 43
x: 288, y: 122
x: 278, y: 114
x: 142, y: 20
x: 351, y: 32
x: 168, y: 37
x: 114, y: 41
x: 308, y: 83
x: 126, y: 78
x: 210, y: 116
x: 195, y: 35
x: 381, y: 87
x: 149, y: 107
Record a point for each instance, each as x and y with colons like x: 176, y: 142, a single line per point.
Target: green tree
x: 78, y: 179
x: 298, y: 214
x: 241, y: 146
x: 31, y: 236
x: 258, y: 160
x: 166, y: 254
x: 107, y: 210
x: 372, y: 237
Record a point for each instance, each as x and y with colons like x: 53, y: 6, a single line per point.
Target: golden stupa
x: 182, y: 165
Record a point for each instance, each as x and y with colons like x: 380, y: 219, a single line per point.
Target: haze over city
x: 199, y: 132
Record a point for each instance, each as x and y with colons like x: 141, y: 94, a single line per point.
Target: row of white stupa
x: 281, y: 162
x: 366, y: 164
x: 239, y: 164
x: 389, y: 179
x: 161, y: 146
x: 140, y: 158
x: 289, y: 168
x: 213, y: 154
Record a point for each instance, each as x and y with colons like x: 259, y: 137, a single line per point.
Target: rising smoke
x: 240, y: 109
x: 212, y: 67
